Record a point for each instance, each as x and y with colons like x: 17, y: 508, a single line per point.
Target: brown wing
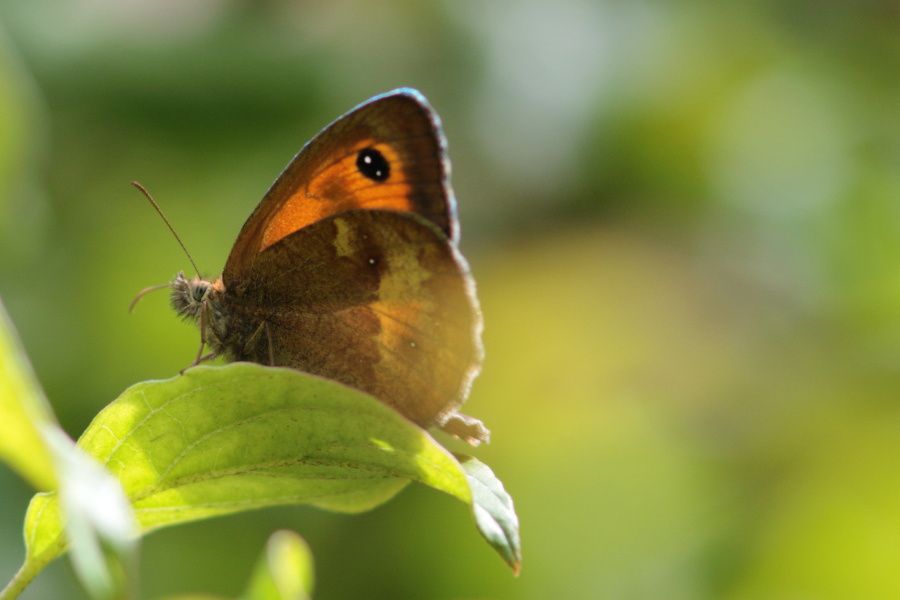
x: 388, y: 153
x: 379, y: 300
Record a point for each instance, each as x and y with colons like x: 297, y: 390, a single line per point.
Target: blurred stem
x: 19, y: 581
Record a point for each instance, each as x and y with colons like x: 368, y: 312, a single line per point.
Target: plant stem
x: 19, y: 581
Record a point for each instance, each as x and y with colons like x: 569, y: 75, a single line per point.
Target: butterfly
x: 349, y: 268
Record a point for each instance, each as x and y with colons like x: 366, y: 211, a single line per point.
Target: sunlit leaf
x: 23, y: 412
x: 284, y: 572
x: 494, y: 513
x: 219, y: 440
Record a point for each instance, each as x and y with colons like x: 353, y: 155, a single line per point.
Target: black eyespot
x: 372, y: 164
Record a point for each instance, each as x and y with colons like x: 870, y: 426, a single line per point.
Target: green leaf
x: 23, y: 412
x: 494, y: 513
x: 284, y: 572
x: 219, y: 440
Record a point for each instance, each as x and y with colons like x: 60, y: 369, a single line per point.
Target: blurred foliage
x: 99, y: 526
x: 285, y: 570
x: 24, y: 413
x: 684, y: 222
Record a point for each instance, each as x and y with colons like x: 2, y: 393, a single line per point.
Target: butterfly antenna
x: 153, y: 203
x: 144, y: 292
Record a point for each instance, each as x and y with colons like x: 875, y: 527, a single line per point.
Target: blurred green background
x: 684, y: 220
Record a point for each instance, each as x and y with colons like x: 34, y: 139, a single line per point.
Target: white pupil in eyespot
x: 373, y: 165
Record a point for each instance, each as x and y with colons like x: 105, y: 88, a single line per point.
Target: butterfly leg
x: 271, y: 349
x: 248, y: 345
x: 203, y: 310
x: 200, y: 356
x: 198, y: 360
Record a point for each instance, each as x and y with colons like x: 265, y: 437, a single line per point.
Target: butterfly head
x: 189, y: 295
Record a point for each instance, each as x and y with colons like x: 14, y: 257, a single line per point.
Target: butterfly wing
x: 388, y: 153
x: 375, y: 299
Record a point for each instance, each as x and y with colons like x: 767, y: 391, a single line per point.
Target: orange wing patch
x: 333, y: 174
x: 338, y: 186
